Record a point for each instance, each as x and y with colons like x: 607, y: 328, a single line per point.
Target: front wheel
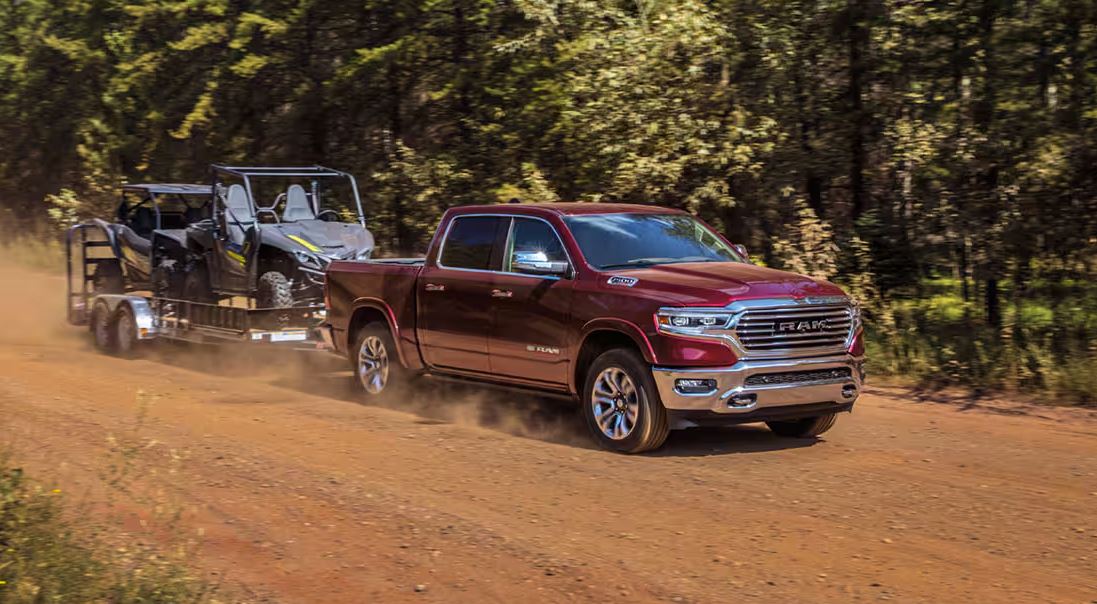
x: 274, y: 291
x: 621, y: 404
x: 809, y: 427
x: 377, y: 369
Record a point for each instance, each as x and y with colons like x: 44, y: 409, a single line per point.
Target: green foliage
x: 883, y: 144
x: 44, y: 559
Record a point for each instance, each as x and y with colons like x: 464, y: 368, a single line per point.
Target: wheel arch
x: 601, y: 335
x: 370, y: 310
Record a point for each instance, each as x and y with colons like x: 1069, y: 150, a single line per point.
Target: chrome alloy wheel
x: 373, y: 364
x: 615, y: 403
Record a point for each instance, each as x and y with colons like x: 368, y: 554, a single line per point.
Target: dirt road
x: 304, y: 494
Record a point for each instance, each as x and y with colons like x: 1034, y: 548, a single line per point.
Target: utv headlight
x: 364, y: 254
x: 690, y: 322
x: 307, y: 259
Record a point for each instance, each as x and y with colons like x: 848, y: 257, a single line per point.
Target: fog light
x: 849, y: 391
x: 743, y: 400
x: 693, y: 386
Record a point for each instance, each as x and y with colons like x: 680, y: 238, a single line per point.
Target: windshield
x: 610, y: 241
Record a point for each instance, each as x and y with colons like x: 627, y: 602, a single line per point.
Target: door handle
x: 501, y: 293
x: 434, y: 287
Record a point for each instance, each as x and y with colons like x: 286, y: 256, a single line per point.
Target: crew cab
x: 646, y: 316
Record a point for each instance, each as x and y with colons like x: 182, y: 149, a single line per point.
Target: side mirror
x: 741, y: 250
x: 537, y: 263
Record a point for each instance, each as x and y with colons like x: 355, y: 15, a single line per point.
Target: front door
x: 455, y: 294
x: 529, y: 336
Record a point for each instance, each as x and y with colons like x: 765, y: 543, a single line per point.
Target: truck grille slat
x: 796, y: 329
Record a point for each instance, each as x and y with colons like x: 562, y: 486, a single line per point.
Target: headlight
x: 307, y: 259
x: 690, y: 322
x: 364, y: 254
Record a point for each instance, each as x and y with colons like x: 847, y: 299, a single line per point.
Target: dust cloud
x: 32, y: 303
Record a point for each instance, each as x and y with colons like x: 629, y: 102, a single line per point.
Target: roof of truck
x: 567, y: 208
x: 169, y: 188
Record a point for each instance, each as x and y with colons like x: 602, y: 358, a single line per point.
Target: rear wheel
x: 126, y: 343
x: 274, y: 291
x: 809, y: 427
x: 108, y: 279
x: 377, y: 369
x: 102, y: 329
x: 621, y: 404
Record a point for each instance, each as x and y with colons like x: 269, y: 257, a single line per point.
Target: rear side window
x: 469, y: 242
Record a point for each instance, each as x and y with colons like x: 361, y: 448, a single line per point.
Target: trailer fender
x: 142, y: 311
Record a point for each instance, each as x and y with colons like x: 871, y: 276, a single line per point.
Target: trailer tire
x: 102, y: 329
x: 126, y: 342
x: 378, y: 373
x: 809, y: 427
x: 274, y: 291
x: 108, y: 278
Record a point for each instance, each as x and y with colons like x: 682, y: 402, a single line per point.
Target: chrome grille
x: 794, y: 328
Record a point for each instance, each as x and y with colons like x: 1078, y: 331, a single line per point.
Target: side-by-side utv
x: 265, y: 234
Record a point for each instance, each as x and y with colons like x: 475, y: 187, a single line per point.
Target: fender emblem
x: 543, y: 349
x: 625, y: 281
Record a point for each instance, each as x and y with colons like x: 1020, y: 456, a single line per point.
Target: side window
x: 469, y: 242
x: 537, y: 238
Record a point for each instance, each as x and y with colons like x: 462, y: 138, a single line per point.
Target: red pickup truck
x: 645, y: 315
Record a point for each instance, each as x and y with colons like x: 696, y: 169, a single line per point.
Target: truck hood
x: 331, y: 239
x: 721, y: 283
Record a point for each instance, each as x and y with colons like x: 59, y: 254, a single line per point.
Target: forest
x: 936, y: 158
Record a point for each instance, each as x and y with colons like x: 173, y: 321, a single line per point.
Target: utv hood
x: 331, y: 239
x: 721, y: 283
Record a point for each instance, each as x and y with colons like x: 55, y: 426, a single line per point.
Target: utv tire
x: 620, y: 403
x: 126, y: 343
x: 378, y: 373
x: 274, y: 291
x: 196, y: 285
x: 102, y: 329
x: 108, y: 279
x: 809, y: 427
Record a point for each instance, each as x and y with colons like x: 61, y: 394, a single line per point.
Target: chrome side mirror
x: 537, y: 263
x: 741, y: 250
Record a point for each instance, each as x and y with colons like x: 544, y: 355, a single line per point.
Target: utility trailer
x: 119, y: 322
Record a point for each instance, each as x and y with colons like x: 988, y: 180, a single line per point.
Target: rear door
x: 454, y: 293
x: 529, y: 336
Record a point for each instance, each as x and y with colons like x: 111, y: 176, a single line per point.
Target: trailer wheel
x: 102, y: 329
x: 377, y: 369
x: 126, y: 343
x: 108, y: 278
x: 274, y: 291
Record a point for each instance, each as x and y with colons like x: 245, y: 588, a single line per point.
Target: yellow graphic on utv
x: 308, y: 244
x: 236, y: 256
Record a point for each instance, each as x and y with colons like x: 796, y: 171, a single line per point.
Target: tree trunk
x: 858, y: 41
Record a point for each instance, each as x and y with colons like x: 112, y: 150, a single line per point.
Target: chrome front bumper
x: 732, y: 397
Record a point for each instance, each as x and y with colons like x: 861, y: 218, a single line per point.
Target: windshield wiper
x: 645, y: 262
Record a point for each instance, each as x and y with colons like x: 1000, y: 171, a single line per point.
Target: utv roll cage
x: 246, y: 173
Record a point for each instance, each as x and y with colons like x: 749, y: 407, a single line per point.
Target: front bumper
x: 733, y: 400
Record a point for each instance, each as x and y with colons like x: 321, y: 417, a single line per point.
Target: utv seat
x: 238, y: 213
x: 297, y: 205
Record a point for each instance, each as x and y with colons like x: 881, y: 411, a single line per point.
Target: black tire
x: 126, y: 343
x: 385, y: 378
x: 196, y: 285
x: 809, y: 427
x: 108, y: 278
x: 102, y: 329
x: 627, y: 417
x: 274, y: 291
